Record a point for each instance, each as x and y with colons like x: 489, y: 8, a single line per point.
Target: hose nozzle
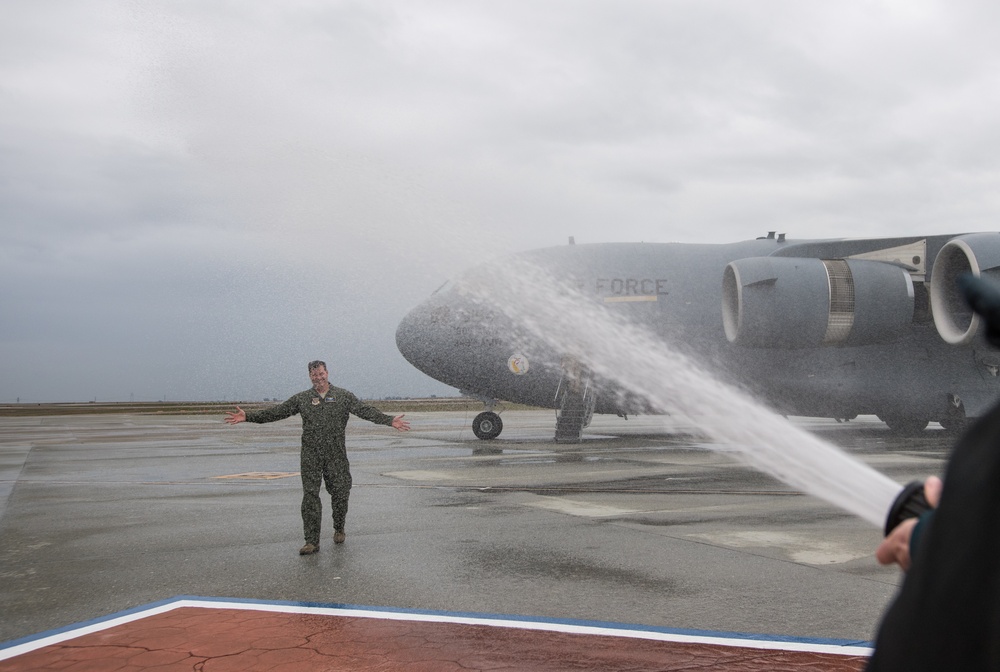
x: 909, y: 503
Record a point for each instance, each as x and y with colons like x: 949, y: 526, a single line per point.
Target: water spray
x: 635, y: 360
x: 563, y: 319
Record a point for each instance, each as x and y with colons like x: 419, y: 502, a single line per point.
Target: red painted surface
x: 243, y: 640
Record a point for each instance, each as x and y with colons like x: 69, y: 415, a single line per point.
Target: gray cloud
x: 198, y: 198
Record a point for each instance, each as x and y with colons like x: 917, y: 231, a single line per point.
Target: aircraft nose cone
x: 417, y: 337
x: 428, y: 339
x: 406, y: 336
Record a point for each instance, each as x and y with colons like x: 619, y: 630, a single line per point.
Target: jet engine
x: 976, y: 253
x: 793, y: 302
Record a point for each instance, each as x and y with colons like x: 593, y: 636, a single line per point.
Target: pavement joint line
x: 534, y: 489
x: 538, y: 489
x: 599, y: 628
x: 259, y: 475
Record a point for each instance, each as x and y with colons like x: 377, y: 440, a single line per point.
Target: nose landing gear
x: 487, y: 425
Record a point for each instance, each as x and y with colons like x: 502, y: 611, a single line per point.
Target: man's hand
x: 400, y: 424
x: 238, y: 416
x: 895, y: 548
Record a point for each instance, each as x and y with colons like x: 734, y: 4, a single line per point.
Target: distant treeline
x: 393, y: 406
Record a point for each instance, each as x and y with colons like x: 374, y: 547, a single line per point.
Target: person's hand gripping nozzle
x: 909, y: 503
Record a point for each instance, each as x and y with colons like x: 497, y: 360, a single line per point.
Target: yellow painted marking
x: 628, y: 299
x: 261, y: 475
x: 418, y: 475
x: 799, y: 547
x: 577, y: 508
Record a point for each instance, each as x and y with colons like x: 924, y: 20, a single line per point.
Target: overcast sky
x: 197, y: 197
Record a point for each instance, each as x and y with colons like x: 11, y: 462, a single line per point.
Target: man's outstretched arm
x: 236, y: 417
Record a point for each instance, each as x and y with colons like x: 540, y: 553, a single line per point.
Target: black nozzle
x: 909, y: 503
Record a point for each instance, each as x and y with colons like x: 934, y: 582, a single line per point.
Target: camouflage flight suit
x: 324, y: 454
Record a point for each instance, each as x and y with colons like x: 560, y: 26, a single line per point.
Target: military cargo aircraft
x: 822, y: 328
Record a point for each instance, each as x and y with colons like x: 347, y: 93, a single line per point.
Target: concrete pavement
x: 639, y: 524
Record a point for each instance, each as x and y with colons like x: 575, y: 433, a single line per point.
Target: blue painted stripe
x: 549, y: 620
x: 447, y: 614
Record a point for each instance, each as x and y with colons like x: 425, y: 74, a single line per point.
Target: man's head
x: 318, y: 374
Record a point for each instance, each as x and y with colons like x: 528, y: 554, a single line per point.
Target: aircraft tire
x: 906, y: 425
x: 955, y: 425
x: 487, y: 425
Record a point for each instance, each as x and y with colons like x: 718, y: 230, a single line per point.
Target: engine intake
x: 791, y: 302
x: 976, y: 253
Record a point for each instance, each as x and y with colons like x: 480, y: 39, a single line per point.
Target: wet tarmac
x: 639, y: 524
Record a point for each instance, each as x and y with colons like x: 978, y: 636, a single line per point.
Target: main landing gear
x: 953, y: 419
x: 907, y: 425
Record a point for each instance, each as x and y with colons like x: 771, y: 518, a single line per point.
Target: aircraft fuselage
x: 826, y: 328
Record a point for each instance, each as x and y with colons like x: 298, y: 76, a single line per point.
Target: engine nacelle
x: 792, y: 302
x: 976, y: 253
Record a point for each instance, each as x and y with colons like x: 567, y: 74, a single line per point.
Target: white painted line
x: 443, y: 617
x: 89, y: 629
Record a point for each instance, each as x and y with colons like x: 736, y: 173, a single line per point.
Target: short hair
x: 315, y: 364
